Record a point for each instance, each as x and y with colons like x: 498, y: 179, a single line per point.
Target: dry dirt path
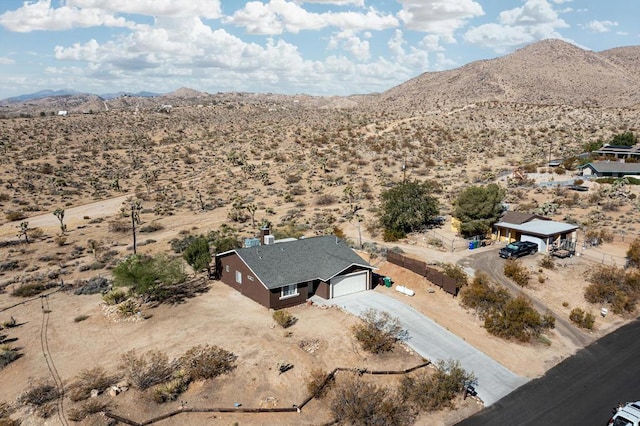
x: 490, y: 263
x: 73, y: 216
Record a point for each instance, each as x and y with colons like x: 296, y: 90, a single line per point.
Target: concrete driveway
x: 435, y: 343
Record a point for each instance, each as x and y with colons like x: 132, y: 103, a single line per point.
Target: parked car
x: 626, y: 415
x: 517, y: 249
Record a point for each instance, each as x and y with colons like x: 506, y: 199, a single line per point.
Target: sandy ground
x: 225, y: 318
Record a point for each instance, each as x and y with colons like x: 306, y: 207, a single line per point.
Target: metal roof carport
x: 546, y: 231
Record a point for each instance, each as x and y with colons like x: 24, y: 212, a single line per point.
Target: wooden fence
x: 419, y: 267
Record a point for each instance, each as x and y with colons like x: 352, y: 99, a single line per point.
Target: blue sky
x: 318, y: 47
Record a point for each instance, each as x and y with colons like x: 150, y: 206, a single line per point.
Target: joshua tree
x: 252, y: 208
x: 23, y: 231
x: 59, y: 213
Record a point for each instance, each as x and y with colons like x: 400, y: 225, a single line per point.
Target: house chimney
x: 264, y: 231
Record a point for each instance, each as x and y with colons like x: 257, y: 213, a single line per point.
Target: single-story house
x: 283, y: 274
x: 517, y: 226
x: 610, y: 169
x: 619, y: 151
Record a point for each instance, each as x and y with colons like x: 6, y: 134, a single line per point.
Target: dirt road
x: 490, y: 263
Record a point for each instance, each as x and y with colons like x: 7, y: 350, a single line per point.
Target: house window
x: 289, y: 291
x: 226, y: 268
x: 239, y: 277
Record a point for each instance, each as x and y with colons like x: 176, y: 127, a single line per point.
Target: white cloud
x: 535, y: 20
x: 209, y: 9
x: 279, y: 16
x: 41, y: 16
x: 351, y: 43
x: 438, y: 16
x: 6, y: 61
x: 359, y: 3
x: 600, y: 26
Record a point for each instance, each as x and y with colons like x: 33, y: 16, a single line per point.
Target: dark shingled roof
x: 613, y: 167
x: 293, y: 262
x: 518, y: 218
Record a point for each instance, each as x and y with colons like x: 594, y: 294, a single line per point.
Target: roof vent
x: 269, y: 239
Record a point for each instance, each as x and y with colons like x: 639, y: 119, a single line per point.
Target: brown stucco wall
x: 276, y: 303
x: 252, y: 289
x: 323, y: 290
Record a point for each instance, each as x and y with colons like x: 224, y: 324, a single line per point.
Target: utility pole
x: 136, y: 206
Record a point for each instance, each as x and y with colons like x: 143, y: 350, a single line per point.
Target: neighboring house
x: 619, y: 151
x: 610, y: 169
x: 283, y: 274
x: 63, y: 113
x: 517, y: 226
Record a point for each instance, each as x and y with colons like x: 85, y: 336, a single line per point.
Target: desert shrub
x: 39, y: 394
x: 432, y: 392
x: 29, y: 290
x: 115, y: 297
x: 92, y: 406
x: 517, y: 272
x: 503, y: 315
x: 633, y: 254
x: 391, y: 235
x: 148, y: 276
x: 548, y: 320
x: 8, y: 355
x: 356, y: 402
x: 128, y: 308
x: 152, y: 227
x: 80, y: 318
x: 12, y: 216
x: 119, y: 226
x: 319, y: 383
x: 169, y: 391
x: 146, y: 370
x: 10, y: 265
x: 457, y: 273
x: 517, y: 319
x: 547, y: 262
x: 582, y: 319
x: 378, y: 331
x: 207, y: 362
x: 284, y: 318
x: 326, y: 200
x: 60, y: 240
x: 610, y: 284
x: 479, y: 295
x: 88, y: 379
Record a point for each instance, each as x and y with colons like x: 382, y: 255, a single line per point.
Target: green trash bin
x: 387, y: 281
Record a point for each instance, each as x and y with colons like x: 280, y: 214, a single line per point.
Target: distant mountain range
x: 550, y: 72
x: 70, y: 92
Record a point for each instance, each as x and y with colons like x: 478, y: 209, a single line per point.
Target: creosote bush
x: 284, y: 318
x: 207, y: 362
x: 504, y: 316
x: 432, y: 392
x: 616, y: 286
x: 356, y: 402
x: 582, y: 319
x: 318, y: 383
x: 88, y: 379
x: 115, y: 297
x: 517, y: 272
x: 8, y: 355
x: 92, y: 406
x: 378, y: 332
x: 146, y: 370
x: 547, y: 262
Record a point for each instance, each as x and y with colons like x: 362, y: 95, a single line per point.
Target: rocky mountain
x: 549, y: 72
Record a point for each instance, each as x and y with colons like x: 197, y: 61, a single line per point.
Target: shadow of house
x: 283, y: 274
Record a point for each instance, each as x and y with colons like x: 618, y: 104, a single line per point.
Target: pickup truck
x: 517, y: 249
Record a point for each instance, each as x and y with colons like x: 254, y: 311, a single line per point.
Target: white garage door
x: 348, y: 284
x: 542, y: 247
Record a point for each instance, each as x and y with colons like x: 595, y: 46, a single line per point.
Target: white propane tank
x: 405, y: 290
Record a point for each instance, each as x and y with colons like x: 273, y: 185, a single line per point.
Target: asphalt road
x: 581, y: 390
x: 490, y: 262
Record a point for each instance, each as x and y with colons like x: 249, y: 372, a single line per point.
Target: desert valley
x: 79, y: 173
